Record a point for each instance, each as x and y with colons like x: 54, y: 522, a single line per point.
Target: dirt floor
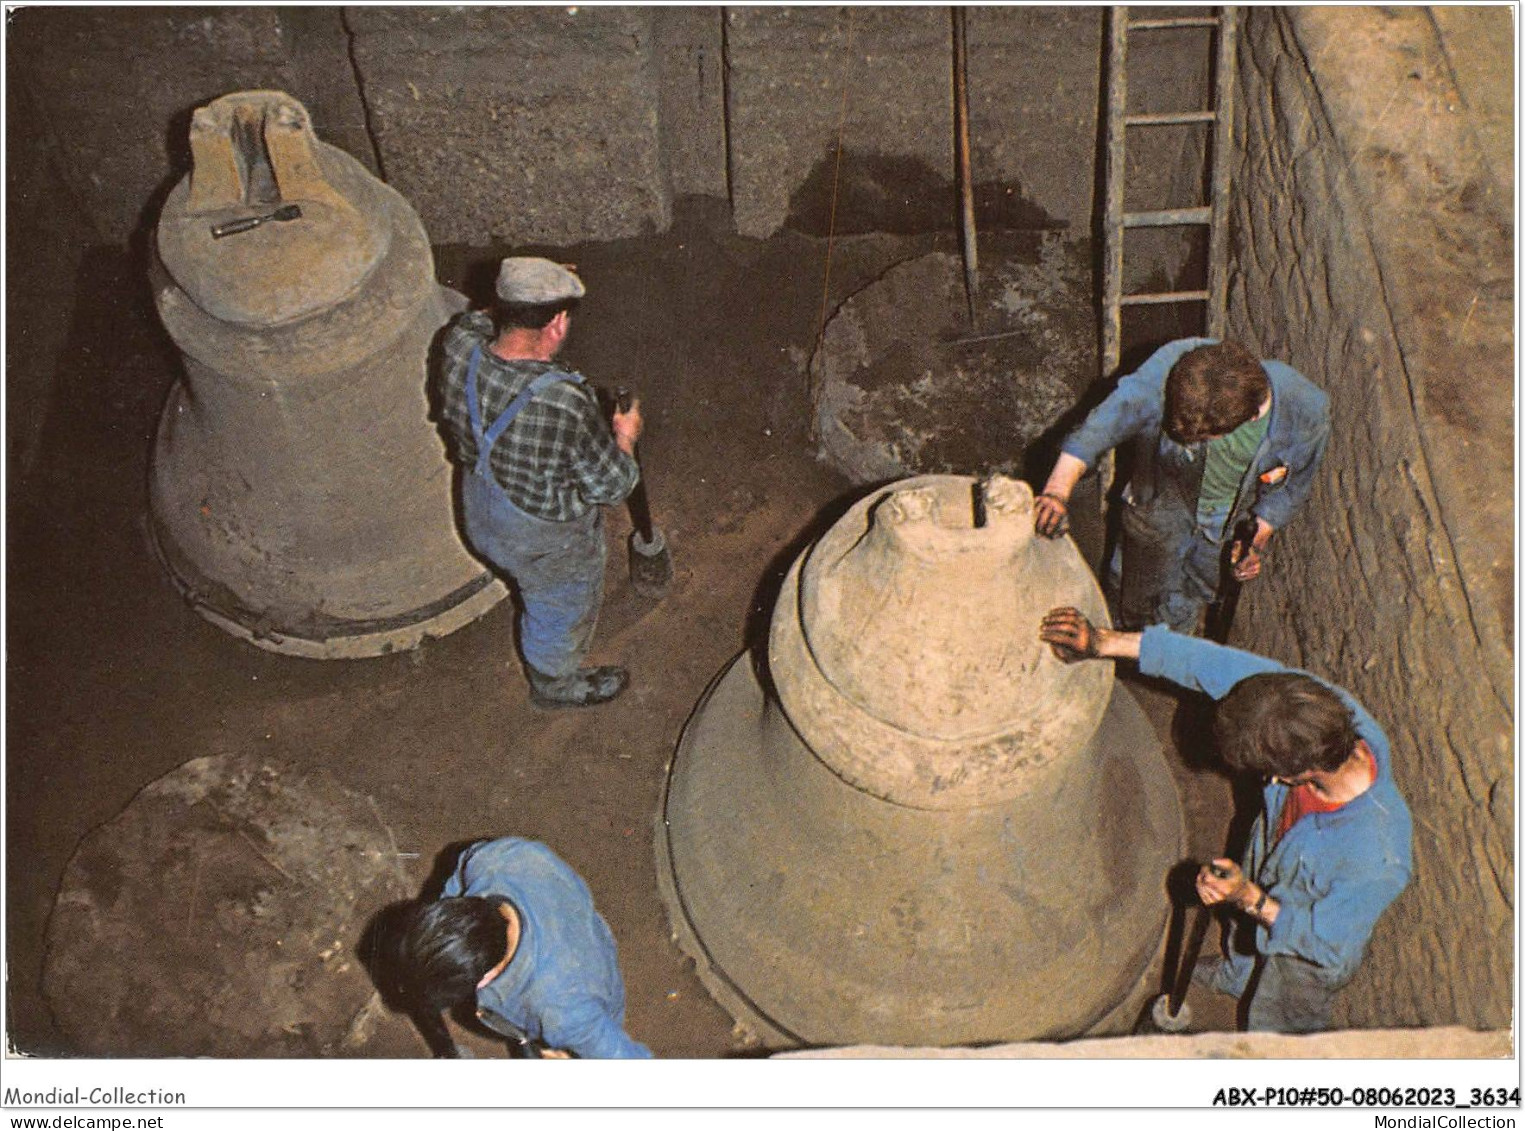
x: 113, y: 680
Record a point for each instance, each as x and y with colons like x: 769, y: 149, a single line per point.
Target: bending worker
x: 517, y: 932
x: 1330, y: 849
x: 1219, y: 437
x: 537, y: 463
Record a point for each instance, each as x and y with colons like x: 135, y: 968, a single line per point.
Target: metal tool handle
x: 1193, y: 948
x: 233, y: 227
x: 283, y: 213
x: 640, y: 506
x: 1220, y: 614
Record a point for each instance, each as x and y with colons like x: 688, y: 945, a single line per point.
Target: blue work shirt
x: 1332, y: 873
x: 1167, y: 476
x: 563, y: 985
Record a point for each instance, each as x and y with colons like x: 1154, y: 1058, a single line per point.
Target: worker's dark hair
x: 1283, y: 724
x: 1212, y: 390
x: 444, y: 947
x: 528, y: 316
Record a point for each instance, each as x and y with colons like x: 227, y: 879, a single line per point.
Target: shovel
x: 650, y: 562
x: 232, y: 227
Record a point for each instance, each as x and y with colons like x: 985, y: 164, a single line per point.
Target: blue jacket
x: 563, y: 985
x: 1332, y: 873
x: 1167, y: 476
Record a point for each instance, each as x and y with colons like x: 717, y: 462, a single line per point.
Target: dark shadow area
x: 1192, y: 732
x: 870, y: 192
x: 760, y: 611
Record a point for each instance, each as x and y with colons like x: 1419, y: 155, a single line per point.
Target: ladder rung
x: 1174, y: 119
x: 1166, y: 296
x: 1168, y: 217
x: 1181, y: 21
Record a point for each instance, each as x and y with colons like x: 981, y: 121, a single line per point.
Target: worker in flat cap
x: 538, y: 462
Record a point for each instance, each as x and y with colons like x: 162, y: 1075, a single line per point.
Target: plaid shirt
x: 558, y: 458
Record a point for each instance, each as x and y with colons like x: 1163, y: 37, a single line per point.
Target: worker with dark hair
x: 516, y: 932
x: 1329, y: 851
x: 1218, y: 437
x: 538, y: 463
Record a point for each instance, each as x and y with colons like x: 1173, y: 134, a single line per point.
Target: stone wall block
x: 1033, y: 129
x: 517, y: 125
x: 119, y: 85
x: 789, y: 69
x: 691, y: 54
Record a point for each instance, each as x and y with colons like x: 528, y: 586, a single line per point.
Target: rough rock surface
x: 218, y: 915
x: 690, y: 50
x: 625, y: 109
x: 1383, y: 273
x: 801, y: 79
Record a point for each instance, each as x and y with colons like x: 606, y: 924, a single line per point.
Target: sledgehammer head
x: 650, y: 565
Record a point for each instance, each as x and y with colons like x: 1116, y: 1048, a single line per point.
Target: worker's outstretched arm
x: 1074, y: 637
x: 1197, y: 665
x: 1051, y: 509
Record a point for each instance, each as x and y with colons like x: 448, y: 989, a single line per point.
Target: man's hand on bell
x: 1070, y: 634
x: 1222, y: 880
x: 1051, y: 515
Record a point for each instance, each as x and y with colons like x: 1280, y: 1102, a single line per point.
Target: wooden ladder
x: 1213, y: 214
x: 1116, y: 221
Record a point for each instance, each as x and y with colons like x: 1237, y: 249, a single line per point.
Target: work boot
x: 586, y: 687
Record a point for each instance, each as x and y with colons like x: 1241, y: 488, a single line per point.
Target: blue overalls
x: 558, y: 566
x: 1170, y: 552
x: 1171, y: 561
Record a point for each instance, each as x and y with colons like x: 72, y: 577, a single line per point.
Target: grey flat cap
x: 531, y: 280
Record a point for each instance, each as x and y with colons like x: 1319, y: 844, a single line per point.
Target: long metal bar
x: 1168, y: 217
x: 1223, y: 140
x: 965, y: 181
x: 1179, y: 117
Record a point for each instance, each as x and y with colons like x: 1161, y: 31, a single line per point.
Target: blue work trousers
x: 1290, y: 995
x: 557, y: 566
x: 1171, y: 567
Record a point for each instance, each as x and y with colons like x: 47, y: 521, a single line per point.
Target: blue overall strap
x: 486, y: 440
